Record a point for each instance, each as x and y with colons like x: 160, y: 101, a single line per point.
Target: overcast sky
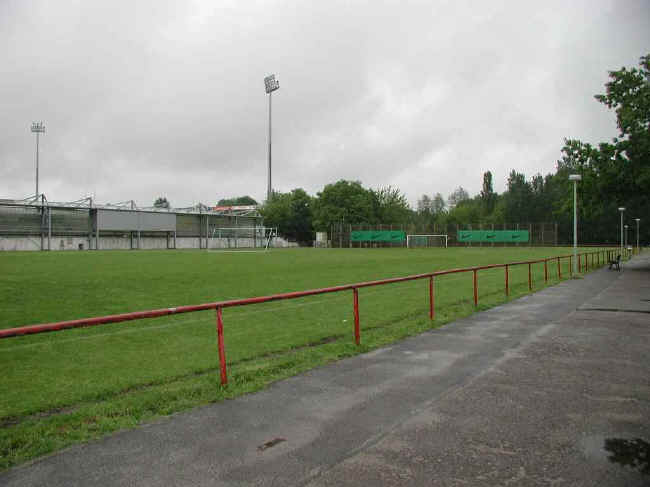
x: 155, y: 97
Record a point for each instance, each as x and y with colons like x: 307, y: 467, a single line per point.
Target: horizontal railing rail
x: 607, y: 256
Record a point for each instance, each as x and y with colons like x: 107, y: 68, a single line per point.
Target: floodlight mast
x: 575, y: 178
x: 37, y: 128
x: 270, y: 85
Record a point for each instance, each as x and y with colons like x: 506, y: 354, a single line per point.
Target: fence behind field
x: 541, y: 234
x: 551, y: 265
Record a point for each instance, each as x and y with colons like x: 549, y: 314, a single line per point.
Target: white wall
x: 124, y: 243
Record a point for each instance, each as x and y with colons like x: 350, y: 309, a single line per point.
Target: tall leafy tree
x: 344, y: 201
x: 438, y: 205
x: 616, y: 173
x: 391, y: 206
x: 517, y: 198
x: 488, y: 196
x: 458, y: 195
x: 425, y: 205
x: 291, y: 213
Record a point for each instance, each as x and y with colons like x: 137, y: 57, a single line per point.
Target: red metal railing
x: 608, y: 255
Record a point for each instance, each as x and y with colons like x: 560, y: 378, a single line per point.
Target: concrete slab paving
x: 545, y: 390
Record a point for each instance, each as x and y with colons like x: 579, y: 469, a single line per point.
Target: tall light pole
x: 270, y: 85
x: 637, y: 234
x: 37, y: 128
x: 621, y: 209
x: 575, y: 178
x: 625, y: 226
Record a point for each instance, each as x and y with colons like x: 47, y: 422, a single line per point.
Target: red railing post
x: 222, y: 348
x: 507, y: 289
x: 559, y: 270
x: 357, y: 331
x: 545, y: 271
x: 432, y: 311
x: 530, y: 279
x: 475, y: 288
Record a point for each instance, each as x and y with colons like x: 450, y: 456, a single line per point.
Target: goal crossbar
x: 411, y: 240
x: 224, y: 238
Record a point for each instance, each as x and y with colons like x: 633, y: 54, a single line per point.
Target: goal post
x: 425, y: 241
x: 241, y: 238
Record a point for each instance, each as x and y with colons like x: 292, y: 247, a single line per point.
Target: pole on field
x: 357, y: 331
x: 575, y: 178
x: 637, y: 234
x: 221, y: 347
x: 37, y: 128
x: 475, y: 289
x: 270, y: 85
x: 432, y: 311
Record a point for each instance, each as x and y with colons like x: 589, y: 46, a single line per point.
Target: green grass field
x: 71, y: 386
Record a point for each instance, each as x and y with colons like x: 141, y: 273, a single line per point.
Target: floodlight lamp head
x: 575, y: 177
x: 622, y: 208
x: 271, y: 84
x: 38, y: 127
x: 637, y: 220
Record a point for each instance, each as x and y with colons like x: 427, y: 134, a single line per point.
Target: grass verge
x: 158, y: 371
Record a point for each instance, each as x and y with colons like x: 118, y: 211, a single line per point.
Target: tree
x: 237, y: 201
x: 438, y: 205
x: 161, y: 202
x: 458, y: 195
x: 291, y: 213
x: 391, y: 206
x: 488, y: 196
x: 517, y: 198
x: 616, y: 173
x: 343, y: 201
x: 425, y: 205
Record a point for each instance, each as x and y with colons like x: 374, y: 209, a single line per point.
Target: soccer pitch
x: 70, y: 386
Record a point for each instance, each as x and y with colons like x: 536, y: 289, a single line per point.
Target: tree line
x: 614, y: 174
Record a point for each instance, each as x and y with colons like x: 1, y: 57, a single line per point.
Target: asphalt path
x: 550, y: 389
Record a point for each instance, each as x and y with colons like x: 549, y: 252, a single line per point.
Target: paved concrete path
x: 540, y: 391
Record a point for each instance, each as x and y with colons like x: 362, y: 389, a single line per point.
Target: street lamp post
x: 37, y: 128
x: 625, y: 226
x: 621, y: 209
x: 575, y: 178
x: 637, y: 234
x: 270, y: 85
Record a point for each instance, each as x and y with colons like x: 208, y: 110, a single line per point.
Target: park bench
x: 616, y: 263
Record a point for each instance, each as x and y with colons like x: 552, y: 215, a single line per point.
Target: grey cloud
x: 150, y: 98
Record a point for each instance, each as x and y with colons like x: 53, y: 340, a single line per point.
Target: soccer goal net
x: 244, y: 238
x: 421, y: 241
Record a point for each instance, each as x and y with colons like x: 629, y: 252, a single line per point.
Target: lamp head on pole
x: 637, y: 220
x: 621, y: 209
x: 271, y: 84
x: 38, y: 127
x: 575, y: 177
